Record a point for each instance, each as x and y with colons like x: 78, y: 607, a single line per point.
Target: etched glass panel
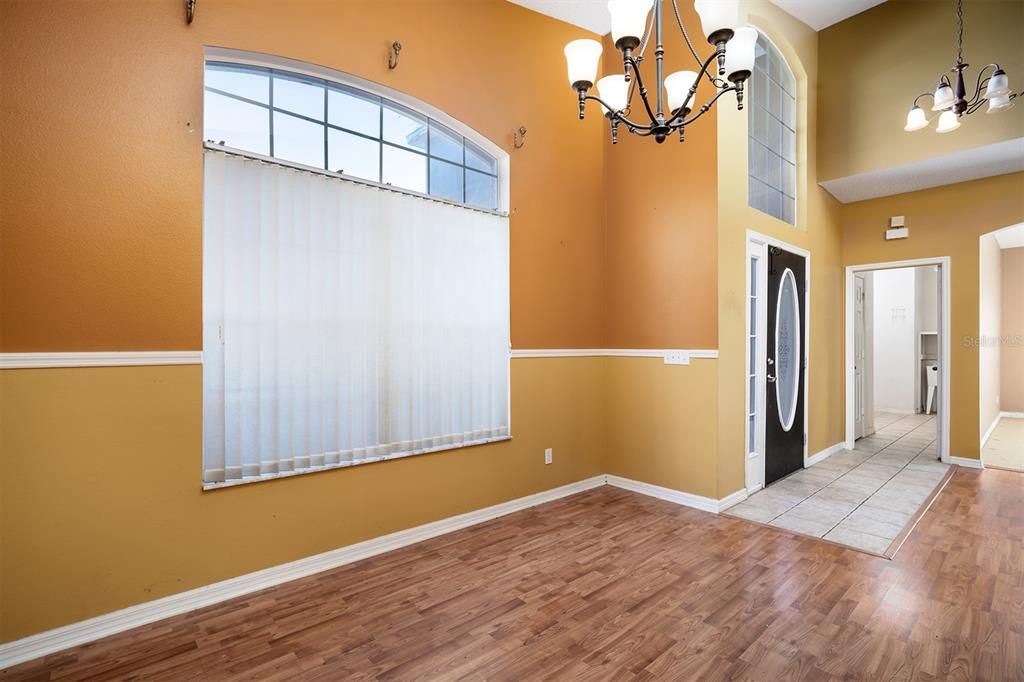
x: 787, y: 350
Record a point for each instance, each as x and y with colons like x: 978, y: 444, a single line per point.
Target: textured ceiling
x: 593, y: 14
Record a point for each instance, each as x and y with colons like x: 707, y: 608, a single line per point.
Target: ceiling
x: 589, y: 14
x: 970, y: 164
x: 1011, y: 237
x: 593, y: 14
x: 819, y: 14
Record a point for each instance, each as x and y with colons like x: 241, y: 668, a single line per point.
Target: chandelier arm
x: 923, y: 94
x: 618, y: 114
x: 640, y: 85
x: 979, y: 84
x: 696, y: 81
x: 974, y: 106
x: 683, y: 122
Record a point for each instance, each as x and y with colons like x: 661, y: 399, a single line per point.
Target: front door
x: 787, y: 334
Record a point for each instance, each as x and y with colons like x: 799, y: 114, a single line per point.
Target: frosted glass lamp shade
x: 677, y: 88
x: 739, y: 54
x: 629, y: 21
x: 916, y: 119
x: 998, y: 85
x: 614, y: 91
x: 996, y: 104
x: 718, y: 18
x: 582, y: 56
x: 948, y: 122
x: 943, y: 97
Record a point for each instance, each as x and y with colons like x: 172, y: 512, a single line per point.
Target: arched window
x: 355, y: 274
x: 330, y: 125
x: 772, y: 143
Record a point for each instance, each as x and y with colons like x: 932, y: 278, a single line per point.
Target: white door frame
x: 945, y: 277
x: 758, y: 243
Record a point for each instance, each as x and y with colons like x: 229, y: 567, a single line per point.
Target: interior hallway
x: 867, y: 498
x: 1004, y: 449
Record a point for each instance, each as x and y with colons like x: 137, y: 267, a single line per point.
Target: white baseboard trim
x: 896, y: 410
x: 700, y: 502
x: 735, y: 498
x: 100, y: 359
x: 991, y: 428
x: 1012, y: 415
x: 825, y: 454
x: 966, y: 462
x: 50, y: 641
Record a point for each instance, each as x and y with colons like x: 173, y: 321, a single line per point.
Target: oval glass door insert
x: 787, y: 350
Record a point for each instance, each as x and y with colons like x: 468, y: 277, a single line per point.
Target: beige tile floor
x: 863, y: 497
x: 1005, y: 447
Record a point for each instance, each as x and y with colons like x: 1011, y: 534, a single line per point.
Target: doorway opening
x: 1000, y: 346
x: 897, y: 351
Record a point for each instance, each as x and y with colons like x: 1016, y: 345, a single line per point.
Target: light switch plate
x: 897, y: 233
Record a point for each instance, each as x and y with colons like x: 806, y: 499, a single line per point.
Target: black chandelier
x: 631, y: 33
x: 952, y: 100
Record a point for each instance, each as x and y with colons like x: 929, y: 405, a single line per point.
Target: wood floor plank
x: 609, y: 584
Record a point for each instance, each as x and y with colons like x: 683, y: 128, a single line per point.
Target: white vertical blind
x: 344, y: 323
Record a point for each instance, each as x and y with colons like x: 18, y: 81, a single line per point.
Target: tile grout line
x: 902, y: 469
x: 853, y: 468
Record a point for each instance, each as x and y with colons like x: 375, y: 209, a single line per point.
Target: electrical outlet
x: 548, y: 456
x: 677, y: 357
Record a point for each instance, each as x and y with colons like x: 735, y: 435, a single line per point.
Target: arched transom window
x: 328, y: 125
x: 772, y: 143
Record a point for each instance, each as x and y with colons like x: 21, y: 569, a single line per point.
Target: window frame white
x: 346, y: 80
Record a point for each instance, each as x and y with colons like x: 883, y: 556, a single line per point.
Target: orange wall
x: 945, y: 221
x: 661, y: 239
x: 101, y: 130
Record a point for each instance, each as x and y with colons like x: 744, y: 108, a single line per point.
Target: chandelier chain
x: 960, y: 32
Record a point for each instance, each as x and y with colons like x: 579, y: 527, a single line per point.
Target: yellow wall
x: 817, y: 230
x: 945, y: 221
x: 100, y: 468
x: 100, y: 199
x: 662, y: 423
x: 101, y: 491
x: 875, y: 63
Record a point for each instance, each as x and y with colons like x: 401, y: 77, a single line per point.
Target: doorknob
x: 771, y: 379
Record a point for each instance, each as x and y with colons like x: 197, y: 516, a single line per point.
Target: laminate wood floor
x: 610, y: 584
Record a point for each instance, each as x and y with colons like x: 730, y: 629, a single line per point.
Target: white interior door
x: 860, y: 355
x: 943, y: 338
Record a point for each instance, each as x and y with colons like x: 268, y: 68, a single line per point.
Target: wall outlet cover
x: 548, y: 456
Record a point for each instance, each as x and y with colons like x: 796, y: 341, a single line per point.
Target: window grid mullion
x: 325, y: 85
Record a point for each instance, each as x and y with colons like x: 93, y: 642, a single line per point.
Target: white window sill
x: 343, y: 465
